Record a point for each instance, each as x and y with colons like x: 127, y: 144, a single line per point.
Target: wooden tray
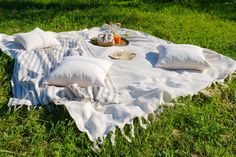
x: 124, y: 42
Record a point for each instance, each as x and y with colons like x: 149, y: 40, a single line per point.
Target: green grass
x: 200, y: 125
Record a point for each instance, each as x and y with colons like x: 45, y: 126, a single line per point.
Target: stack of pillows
x: 85, y: 71
x: 89, y: 71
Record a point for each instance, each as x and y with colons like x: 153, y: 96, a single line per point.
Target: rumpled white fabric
x: 133, y: 88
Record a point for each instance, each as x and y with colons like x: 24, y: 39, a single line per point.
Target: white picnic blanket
x: 134, y: 88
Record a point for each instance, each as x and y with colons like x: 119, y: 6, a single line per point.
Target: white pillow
x: 37, y: 38
x: 85, y: 71
x: 181, y: 56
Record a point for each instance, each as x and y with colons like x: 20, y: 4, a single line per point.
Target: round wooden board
x: 122, y: 55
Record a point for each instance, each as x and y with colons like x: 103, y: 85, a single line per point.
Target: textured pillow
x: 85, y: 71
x: 181, y: 56
x: 37, y: 38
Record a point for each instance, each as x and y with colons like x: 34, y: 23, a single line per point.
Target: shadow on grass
x: 225, y: 9
x: 6, y: 69
x: 62, y: 6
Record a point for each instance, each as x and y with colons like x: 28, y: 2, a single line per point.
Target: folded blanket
x: 134, y: 88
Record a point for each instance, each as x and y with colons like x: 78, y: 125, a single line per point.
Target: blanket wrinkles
x: 133, y: 88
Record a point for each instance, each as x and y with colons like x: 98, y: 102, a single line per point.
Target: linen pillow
x: 181, y: 56
x: 37, y: 38
x: 85, y: 71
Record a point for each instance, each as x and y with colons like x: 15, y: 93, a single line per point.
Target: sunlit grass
x: 200, y: 125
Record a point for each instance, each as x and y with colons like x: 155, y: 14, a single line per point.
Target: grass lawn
x: 199, y: 126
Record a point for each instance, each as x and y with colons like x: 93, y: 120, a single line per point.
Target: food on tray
x: 123, y: 42
x: 111, y: 35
